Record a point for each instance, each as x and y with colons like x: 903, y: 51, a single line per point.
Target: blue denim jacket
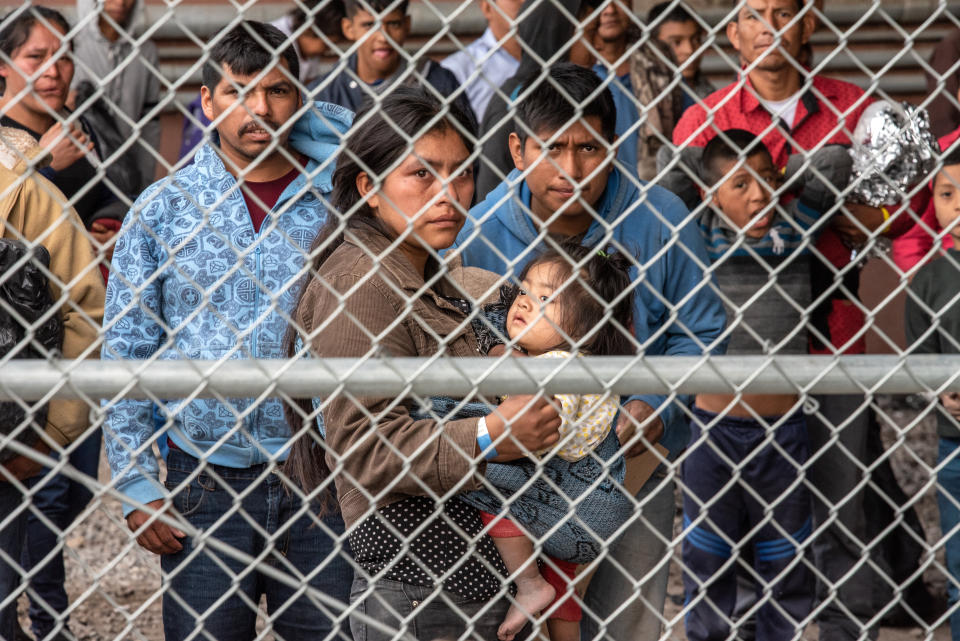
x: 192, y: 279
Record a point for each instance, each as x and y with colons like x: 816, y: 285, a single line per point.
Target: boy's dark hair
x: 729, y: 146
x: 669, y: 12
x: 15, y: 29
x: 546, y: 109
x: 240, y: 50
x: 602, y: 282
x: 326, y: 19
x: 952, y: 157
x: 375, y: 6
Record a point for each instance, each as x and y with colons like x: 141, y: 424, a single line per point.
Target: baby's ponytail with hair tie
x: 612, y: 280
x: 607, y: 273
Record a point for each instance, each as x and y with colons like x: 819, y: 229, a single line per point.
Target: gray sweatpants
x: 844, y: 443
x: 626, y: 595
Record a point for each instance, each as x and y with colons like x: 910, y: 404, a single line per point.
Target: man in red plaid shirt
x: 793, y: 111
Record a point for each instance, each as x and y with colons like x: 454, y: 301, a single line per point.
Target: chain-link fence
x: 445, y: 320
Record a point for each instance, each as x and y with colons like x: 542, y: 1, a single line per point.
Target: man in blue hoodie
x: 566, y: 187
x: 205, y: 267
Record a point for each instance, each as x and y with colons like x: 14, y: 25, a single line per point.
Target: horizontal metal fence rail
x: 832, y: 453
x: 877, y: 374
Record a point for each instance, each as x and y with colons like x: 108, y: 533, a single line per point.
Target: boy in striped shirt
x: 760, y: 250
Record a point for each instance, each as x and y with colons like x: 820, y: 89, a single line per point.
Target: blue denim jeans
x: 61, y: 500
x: 426, y: 613
x: 948, y: 481
x: 12, y: 532
x: 211, y: 595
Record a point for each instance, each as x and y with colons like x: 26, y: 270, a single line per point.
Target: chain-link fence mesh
x: 450, y: 319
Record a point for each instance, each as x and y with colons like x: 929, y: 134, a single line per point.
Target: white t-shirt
x: 785, y: 110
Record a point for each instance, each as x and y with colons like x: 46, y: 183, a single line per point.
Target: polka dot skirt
x: 435, y: 550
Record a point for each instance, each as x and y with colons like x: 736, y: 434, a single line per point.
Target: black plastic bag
x: 24, y: 299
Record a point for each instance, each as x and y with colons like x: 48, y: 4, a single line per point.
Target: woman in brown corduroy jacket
x: 380, y: 289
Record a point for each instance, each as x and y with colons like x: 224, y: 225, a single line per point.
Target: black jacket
x: 932, y: 319
x: 543, y: 33
x: 97, y: 201
x: 347, y: 90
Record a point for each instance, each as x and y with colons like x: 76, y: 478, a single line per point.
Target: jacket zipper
x: 254, y: 420
x: 255, y: 334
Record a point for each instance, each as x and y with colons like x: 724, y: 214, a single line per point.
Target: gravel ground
x: 114, y: 585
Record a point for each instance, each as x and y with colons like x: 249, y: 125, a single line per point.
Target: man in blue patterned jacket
x: 205, y: 268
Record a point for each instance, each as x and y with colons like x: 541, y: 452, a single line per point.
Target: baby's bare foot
x: 533, y: 595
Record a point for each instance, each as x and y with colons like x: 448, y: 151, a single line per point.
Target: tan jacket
x: 381, y: 315
x: 31, y: 209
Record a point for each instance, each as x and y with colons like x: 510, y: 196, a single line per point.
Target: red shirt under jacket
x: 267, y: 193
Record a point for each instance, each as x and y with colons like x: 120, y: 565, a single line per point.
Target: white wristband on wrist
x: 484, y: 440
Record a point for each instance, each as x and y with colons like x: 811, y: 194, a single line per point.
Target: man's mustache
x: 257, y: 127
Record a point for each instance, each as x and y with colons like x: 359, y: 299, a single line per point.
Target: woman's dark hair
x: 669, y: 12
x: 376, y: 6
x: 596, y: 301
x: 382, y: 135
x: 15, y: 29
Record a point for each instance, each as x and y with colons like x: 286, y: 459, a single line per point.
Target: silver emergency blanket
x: 893, y: 151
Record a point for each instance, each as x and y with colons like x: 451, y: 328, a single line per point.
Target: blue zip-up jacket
x: 500, y: 236
x: 193, y: 280
x: 627, y: 116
